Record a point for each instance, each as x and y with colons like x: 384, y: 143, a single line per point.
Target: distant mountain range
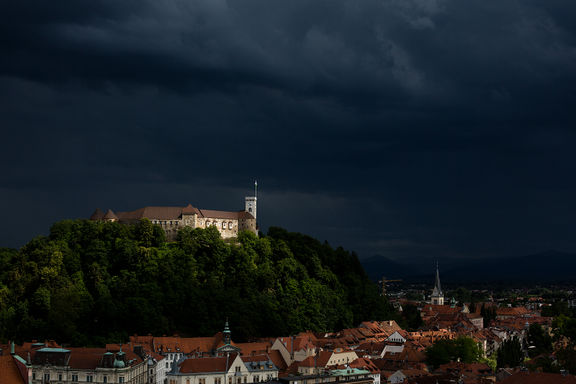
x: 550, y: 266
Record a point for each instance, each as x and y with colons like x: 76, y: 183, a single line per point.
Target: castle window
x: 223, y: 225
x: 229, y: 225
x: 250, y: 209
x: 207, y: 223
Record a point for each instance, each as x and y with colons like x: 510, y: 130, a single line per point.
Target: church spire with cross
x: 437, y: 295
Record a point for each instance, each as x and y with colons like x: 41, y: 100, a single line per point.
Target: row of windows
x: 215, y: 223
x: 166, y: 222
x: 208, y: 223
x: 239, y: 380
x: 74, y: 378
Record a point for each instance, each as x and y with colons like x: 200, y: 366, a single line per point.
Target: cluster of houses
x: 375, y: 352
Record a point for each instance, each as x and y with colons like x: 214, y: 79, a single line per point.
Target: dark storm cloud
x: 438, y: 127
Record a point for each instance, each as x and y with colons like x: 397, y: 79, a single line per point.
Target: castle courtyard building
x: 172, y: 219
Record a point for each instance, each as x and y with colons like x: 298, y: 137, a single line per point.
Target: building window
x: 46, y: 377
x: 207, y: 223
x: 223, y: 225
x: 105, y: 379
x: 88, y: 378
x: 202, y: 381
x: 167, y: 365
x: 74, y: 378
x: 237, y: 369
x: 229, y: 225
x: 121, y: 379
x: 33, y: 375
x: 59, y: 377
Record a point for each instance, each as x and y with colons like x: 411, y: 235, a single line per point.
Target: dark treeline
x: 93, y: 282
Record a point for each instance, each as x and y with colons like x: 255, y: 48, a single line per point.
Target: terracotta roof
x: 205, y: 364
x: 253, y: 348
x: 190, y: 210
x: 175, y: 213
x: 187, y: 345
x: 159, y: 213
x: 97, y: 215
x: 514, y: 311
x: 538, y: 378
x: 278, y: 359
x: 9, y: 372
x: 110, y: 215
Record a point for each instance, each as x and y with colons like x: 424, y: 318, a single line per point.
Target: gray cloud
x: 434, y: 126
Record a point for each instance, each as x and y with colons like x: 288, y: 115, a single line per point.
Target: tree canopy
x: 462, y: 349
x: 93, y: 282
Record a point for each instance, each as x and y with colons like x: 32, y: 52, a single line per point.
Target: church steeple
x: 227, y: 334
x: 437, y: 295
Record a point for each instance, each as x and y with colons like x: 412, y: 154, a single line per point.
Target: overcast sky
x: 405, y: 128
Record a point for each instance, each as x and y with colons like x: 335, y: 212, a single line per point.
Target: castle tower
x: 437, y: 295
x: 251, y: 201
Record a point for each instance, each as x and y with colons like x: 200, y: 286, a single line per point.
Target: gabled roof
x: 97, y: 215
x: 110, y: 215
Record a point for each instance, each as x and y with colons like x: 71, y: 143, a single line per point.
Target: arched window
x: 223, y: 225
x: 207, y: 223
x: 229, y: 225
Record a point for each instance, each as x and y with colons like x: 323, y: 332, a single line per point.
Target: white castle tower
x: 251, y: 201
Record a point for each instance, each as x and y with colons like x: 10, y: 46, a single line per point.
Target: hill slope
x: 93, y: 282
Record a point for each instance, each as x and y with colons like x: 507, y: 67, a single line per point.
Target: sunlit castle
x: 172, y: 219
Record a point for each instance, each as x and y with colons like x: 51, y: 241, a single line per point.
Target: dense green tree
x: 462, y: 349
x: 93, y: 282
x: 412, y: 316
x: 539, y: 341
x: 510, y: 354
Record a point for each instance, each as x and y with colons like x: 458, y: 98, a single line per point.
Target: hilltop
x: 92, y: 282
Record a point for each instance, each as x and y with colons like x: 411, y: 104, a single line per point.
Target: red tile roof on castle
x: 9, y: 373
x: 175, y: 213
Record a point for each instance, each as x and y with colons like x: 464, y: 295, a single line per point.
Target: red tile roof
x: 9, y: 372
x: 538, y: 378
x: 206, y: 364
x: 175, y: 213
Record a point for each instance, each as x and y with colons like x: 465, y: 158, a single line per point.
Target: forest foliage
x: 93, y: 282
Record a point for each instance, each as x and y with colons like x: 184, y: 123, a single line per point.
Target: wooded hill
x: 88, y: 283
